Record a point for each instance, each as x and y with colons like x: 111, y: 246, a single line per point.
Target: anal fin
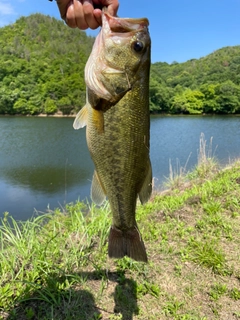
x: 146, y: 190
x: 98, y: 193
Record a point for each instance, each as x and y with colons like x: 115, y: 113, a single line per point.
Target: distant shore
x: 61, y: 115
x: 43, y: 115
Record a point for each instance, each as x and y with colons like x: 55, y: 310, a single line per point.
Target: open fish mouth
x: 122, y: 25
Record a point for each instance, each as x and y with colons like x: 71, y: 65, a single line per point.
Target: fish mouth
x: 122, y: 25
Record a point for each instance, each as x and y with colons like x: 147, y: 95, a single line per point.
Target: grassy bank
x: 56, y: 266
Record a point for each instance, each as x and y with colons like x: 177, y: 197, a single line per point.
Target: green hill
x: 42, y: 71
x: 42, y: 66
x: 208, y: 85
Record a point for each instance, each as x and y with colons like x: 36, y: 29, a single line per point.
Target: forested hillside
x: 42, y: 66
x: 207, y: 85
x: 42, y: 71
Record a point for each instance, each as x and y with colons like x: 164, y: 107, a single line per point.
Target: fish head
x: 120, y: 54
x: 126, y: 43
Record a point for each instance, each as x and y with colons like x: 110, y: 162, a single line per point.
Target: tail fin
x: 126, y: 243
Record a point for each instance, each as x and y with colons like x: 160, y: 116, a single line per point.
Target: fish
x: 117, y: 120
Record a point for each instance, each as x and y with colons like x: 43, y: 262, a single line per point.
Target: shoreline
x: 60, y: 115
x: 41, y: 115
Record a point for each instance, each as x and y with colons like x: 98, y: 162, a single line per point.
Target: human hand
x: 85, y: 14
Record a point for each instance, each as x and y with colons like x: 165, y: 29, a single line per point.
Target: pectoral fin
x: 96, y: 117
x: 81, y: 118
x: 146, y: 190
x: 98, y: 193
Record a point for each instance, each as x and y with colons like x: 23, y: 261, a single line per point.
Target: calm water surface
x: 45, y: 163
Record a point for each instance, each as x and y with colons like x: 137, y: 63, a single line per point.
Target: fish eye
x: 137, y: 46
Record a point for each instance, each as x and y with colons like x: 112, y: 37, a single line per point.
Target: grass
x: 55, y: 266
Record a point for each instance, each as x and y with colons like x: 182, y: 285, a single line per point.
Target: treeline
x: 42, y: 71
x: 207, y: 85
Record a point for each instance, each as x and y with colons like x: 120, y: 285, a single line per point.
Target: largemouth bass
x: 117, y: 118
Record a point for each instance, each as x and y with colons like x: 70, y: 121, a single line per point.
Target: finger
x: 98, y: 16
x: 112, y: 6
x: 79, y: 18
x: 89, y: 14
x: 63, y: 6
x: 70, y: 16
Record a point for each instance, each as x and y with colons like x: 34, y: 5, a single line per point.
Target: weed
x: 212, y: 207
x: 178, y: 269
x: 96, y: 316
x: 172, y: 307
x: 148, y: 288
x: 237, y: 314
x: 217, y: 291
x: 208, y: 254
x: 29, y: 313
x: 234, y: 294
x: 115, y: 317
x: 129, y: 264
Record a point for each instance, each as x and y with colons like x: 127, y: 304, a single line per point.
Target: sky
x: 180, y: 29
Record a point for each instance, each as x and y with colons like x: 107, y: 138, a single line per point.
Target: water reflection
x: 47, y: 180
x: 43, y: 162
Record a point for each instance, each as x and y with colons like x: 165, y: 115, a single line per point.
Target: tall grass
x: 37, y: 253
x: 206, y: 165
x: 177, y: 175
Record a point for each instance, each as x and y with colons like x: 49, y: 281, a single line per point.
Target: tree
x: 210, y: 101
x: 50, y: 106
x: 20, y: 106
x: 189, y: 101
x: 160, y: 96
x: 229, y: 97
x: 65, y: 105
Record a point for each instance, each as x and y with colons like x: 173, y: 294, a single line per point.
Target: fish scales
x: 120, y: 154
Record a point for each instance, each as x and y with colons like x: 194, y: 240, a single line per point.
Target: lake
x: 45, y: 163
